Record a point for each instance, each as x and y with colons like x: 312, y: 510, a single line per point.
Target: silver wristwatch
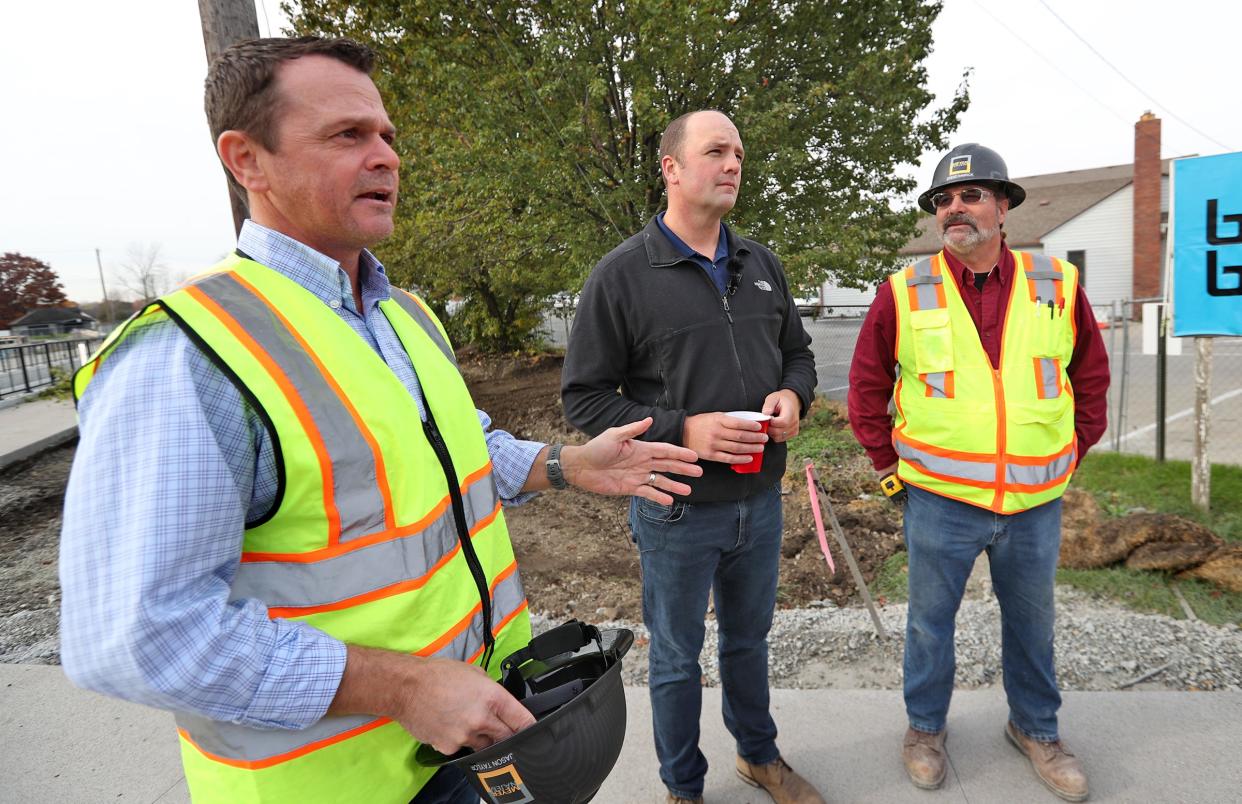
x: 556, y: 475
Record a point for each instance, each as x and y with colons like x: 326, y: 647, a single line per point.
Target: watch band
x: 556, y: 475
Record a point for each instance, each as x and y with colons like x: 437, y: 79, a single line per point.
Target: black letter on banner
x: 1212, y: 237
x: 1213, y: 288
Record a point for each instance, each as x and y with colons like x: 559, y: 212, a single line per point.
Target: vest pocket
x: 933, y: 341
x: 1043, y: 423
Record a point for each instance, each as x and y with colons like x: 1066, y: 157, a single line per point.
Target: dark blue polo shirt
x: 717, y: 268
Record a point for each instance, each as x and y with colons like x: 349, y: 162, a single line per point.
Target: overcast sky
x: 105, y: 144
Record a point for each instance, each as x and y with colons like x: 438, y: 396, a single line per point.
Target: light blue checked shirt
x: 171, y: 465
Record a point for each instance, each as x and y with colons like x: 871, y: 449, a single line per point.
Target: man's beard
x: 964, y: 244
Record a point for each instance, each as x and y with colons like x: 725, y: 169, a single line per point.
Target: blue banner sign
x: 1207, y: 245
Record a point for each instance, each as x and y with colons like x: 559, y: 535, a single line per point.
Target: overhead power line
x: 1126, y: 78
x: 1071, y: 79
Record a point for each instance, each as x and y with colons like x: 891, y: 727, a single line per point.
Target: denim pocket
x: 658, y: 514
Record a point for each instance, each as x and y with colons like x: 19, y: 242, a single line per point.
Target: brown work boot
x: 1054, y: 764
x: 672, y: 799
x: 925, y: 759
x: 780, y: 781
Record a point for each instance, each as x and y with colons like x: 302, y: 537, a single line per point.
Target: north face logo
x: 763, y: 285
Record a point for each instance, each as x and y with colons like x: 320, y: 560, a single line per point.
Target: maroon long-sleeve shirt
x: 873, y: 370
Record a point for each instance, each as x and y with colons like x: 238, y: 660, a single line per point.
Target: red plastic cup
x: 756, y: 460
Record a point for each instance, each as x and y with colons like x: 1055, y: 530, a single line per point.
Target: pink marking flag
x: 819, y: 518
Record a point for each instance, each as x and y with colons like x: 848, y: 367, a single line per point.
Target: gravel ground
x: 1099, y: 647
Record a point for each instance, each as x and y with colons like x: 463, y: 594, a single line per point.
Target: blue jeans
x: 943, y: 539
x: 448, y: 786
x: 733, y: 549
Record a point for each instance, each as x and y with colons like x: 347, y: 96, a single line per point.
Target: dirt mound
x: 575, y: 549
x: 1145, y: 541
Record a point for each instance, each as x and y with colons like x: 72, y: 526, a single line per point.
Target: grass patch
x: 824, y: 436
x: 1151, y: 592
x: 890, y: 583
x: 1121, y: 483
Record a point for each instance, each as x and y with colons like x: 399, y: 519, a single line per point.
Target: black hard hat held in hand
x: 971, y: 163
x: 570, y: 680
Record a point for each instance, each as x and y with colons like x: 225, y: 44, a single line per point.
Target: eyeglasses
x: 971, y: 195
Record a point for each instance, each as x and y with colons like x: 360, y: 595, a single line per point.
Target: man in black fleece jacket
x: 684, y: 337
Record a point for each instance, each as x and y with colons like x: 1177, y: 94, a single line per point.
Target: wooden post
x: 224, y: 23
x: 1200, y: 466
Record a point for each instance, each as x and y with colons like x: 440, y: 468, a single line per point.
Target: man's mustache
x: 959, y: 218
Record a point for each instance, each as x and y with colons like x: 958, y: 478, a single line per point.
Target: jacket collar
x: 661, y: 253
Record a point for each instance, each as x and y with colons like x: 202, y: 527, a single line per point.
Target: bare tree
x: 143, y: 273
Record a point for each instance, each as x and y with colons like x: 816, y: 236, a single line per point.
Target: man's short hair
x: 240, y: 90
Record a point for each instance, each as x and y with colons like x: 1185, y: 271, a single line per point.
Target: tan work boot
x: 672, y: 799
x: 1054, y: 764
x: 924, y: 756
x: 780, y: 781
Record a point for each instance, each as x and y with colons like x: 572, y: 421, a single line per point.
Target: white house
x: 1092, y: 218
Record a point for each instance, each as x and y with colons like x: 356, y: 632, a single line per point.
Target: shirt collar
x: 318, y: 273
x: 964, y: 276
x: 722, y: 243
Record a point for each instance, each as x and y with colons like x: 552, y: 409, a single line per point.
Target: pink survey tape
x: 819, y: 519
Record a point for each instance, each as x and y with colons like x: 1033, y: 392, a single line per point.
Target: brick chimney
x: 1146, y: 281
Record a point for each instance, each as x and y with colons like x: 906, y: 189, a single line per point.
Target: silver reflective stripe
x: 924, y: 285
x: 420, y: 316
x: 950, y: 467
x: 282, y: 584
x: 936, y: 381
x: 1039, y: 475
x: 355, y: 488
x: 1049, y: 377
x: 1045, y: 278
x: 231, y: 741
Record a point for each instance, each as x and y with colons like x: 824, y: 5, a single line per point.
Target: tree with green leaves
x: 529, y: 132
x: 26, y: 283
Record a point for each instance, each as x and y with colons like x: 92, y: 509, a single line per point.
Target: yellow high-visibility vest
x: 1001, y: 439
x: 365, y: 539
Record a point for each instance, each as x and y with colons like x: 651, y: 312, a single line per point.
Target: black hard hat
x: 576, y: 696
x: 971, y: 163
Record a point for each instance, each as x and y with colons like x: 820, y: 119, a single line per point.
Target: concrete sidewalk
x: 64, y: 745
x: 29, y: 426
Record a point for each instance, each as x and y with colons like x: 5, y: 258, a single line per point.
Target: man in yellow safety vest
x: 284, y: 518
x: 979, y: 378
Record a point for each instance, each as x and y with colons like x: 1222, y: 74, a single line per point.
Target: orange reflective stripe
x: 940, y: 268
x: 295, y: 403
x: 944, y: 452
x: 387, y: 591
x: 1040, y: 460
x: 500, y: 626
x: 381, y: 474
x: 267, y: 762
x: 341, y: 548
x: 464, y: 622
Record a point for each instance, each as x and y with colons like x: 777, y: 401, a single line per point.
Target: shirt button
x: 335, y: 304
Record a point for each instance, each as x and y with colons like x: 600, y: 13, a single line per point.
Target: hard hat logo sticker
x: 960, y: 166
x: 504, y: 786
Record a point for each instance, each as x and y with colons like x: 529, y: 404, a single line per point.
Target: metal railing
x: 32, y: 366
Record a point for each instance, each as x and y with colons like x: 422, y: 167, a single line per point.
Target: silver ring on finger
x: 651, y: 479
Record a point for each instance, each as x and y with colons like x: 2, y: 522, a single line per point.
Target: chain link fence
x: 1132, y: 394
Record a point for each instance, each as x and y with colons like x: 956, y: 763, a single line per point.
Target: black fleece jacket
x: 653, y: 337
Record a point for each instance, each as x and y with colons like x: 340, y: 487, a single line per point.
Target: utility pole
x: 104, y: 288
x: 224, y: 23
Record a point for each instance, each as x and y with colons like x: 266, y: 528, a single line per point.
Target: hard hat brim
x: 1013, y: 192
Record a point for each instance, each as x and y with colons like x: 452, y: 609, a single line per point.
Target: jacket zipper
x: 463, y: 532
x: 724, y: 303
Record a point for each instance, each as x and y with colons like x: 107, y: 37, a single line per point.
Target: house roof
x: 1051, y: 200
x: 52, y: 315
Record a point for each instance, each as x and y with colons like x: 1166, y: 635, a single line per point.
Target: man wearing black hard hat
x: 997, y: 376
